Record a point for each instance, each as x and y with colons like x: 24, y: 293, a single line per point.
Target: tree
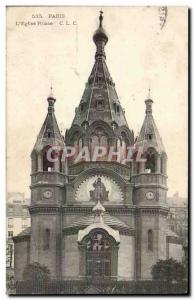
x: 36, y: 272
x: 169, y: 271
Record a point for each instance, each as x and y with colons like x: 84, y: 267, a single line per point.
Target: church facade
x: 104, y: 217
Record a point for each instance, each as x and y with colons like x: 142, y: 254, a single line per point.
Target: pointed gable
x: 49, y: 133
x: 100, y: 100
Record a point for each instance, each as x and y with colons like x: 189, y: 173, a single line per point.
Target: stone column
x: 40, y: 165
x: 69, y: 194
x: 129, y: 194
x: 142, y: 167
x: 132, y: 167
x: 164, y: 164
x: 158, y: 163
x: 57, y: 165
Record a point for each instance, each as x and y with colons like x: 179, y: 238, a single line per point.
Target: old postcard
x: 97, y: 150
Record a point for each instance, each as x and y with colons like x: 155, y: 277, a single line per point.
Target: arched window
x: 47, y: 239
x: 94, y: 142
x: 125, y: 144
x: 47, y: 164
x: 100, y: 258
x: 150, y: 240
x: 151, y: 161
x: 104, y: 143
x: 60, y: 161
x: 75, y: 141
x: 118, y: 144
x: 99, y: 104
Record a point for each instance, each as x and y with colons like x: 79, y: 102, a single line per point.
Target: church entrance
x: 100, y: 256
x: 98, y: 264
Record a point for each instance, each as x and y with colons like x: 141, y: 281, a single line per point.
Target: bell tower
x: 149, y: 195
x: 149, y: 167
x: 47, y: 193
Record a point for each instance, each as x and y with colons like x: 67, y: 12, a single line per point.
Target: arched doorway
x: 99, y: 252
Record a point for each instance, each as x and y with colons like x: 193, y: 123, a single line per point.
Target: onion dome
x: 100, y: 34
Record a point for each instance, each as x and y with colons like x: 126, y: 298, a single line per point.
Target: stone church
x: 98, y: 219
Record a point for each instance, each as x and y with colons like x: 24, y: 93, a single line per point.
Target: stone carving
x: 99, y: 192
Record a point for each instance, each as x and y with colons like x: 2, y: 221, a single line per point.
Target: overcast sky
x: 140, y: 55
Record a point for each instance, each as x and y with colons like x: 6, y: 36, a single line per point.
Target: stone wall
x: 46, y: 256
x: 176, y: 251
x: 70, y: 254
x: 148, y: 257
x: 126, y: 257
x: 22, y: 257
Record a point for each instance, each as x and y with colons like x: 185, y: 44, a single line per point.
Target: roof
x: 100, y: 86
x: 87, y: 230
x: 173, y: 237
x: 100, y: 77
x: 49, y: 133
x: 149, y: 128
x: 98, y: 207
x: 109, y: 220
x: 23, y: 234
x: 171, y: 233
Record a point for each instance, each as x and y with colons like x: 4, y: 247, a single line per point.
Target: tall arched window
x: 104, y: 143
x: 47, y: 164
x: 125, y: 144
x: 94, y: 143
x: 151, y: 161
x: 47, y: 239
x: 150, y: 240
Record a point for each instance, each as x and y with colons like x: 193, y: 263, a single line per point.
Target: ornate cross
x: 101, y: 17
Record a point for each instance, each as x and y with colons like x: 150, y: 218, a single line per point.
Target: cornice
x: 113, y: 210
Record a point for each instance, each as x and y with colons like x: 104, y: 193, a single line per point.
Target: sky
x: 140, y: 55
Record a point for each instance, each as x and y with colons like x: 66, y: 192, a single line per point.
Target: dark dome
x: 100, y: 35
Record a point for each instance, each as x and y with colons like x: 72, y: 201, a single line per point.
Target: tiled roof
x: 149, y: 128
x: 49, y: 126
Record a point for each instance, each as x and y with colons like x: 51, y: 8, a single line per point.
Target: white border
x: 3, y: 4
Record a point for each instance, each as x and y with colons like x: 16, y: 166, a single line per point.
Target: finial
x: 51, y: 100
x: 149, y: 103
x: 100, y: 38
x: 149, y: 91
x: 51, y: 90
x: 98, y: 209
x: 101, y: 17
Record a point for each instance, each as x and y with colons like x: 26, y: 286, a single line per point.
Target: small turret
x: 49, y: 136
x: 150, y: 144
